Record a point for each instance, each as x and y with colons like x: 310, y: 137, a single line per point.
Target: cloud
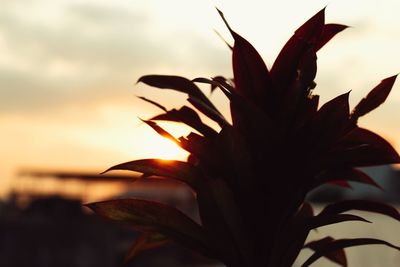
x: 106, y: 13
x: 86, y: 52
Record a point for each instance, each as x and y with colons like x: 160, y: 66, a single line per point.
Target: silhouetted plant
x: 251, y: 177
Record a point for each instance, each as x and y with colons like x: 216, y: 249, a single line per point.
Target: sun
x: 150, y: 144
x: 164, y: 148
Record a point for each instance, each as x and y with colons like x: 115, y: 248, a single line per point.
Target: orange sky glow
x: 68, y: 70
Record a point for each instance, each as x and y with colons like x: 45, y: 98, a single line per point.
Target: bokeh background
x: 68, y: 72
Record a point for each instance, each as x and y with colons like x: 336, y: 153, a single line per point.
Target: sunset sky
x: 68, y: 70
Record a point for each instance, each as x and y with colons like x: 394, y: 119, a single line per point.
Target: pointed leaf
x: 161, y: 131
x: 356, y: 175
x: 337, y: 109
x: 145, y: 241
x: 337, y: 256
x: 330, y: 122
x: 189, y: 117
x: 344, y: 243
x: 153, y: 103
x: 374, y: 98
x: 226, y: 88
x: 359, y: 136
x: 312, y: 28
x: 329, y: 31
x: 344, y: 175
x: 252, y: 79
x: 359, y: 156
x: 340, y: 183
x: 284, y: 69
x: 223, y: 39
x: 179, y: 84
x: 294, y: 236
x: 361, y: 205
x: 155, y: 217
x: 328, y: 219
x: 179, y: 170
x: 206, y: 110
x: 210, y: 214
x: 225, y: 82
x: 361, y: 147
x: 292, y: 239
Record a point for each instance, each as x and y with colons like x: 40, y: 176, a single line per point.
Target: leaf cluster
x: 251, y: 177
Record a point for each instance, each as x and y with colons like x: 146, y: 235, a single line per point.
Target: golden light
x: 77, y: 111
x: 164, y: 148
x: 149, y: 144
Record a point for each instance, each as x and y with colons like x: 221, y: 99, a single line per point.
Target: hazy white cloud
x: 89, y: 50
x: 58, y: 52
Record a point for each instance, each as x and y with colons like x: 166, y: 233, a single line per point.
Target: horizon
x: 69, y: 68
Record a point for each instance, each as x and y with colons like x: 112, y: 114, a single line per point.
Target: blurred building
x: 47, y: 226
x: 43, y: 223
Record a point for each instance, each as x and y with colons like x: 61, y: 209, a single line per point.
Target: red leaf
x: 360, y: 136
x: 216, y: 82
x: 182, y: 171
x: 153, y: 103
x: 329, y: 31
x: 344, y: 243
x: 206, y: 110
x: 223, y: 39
x: 374, y: 98
x: 149, y: 216
x: 344, y: 175
x: 284, y: 70
x: 145, y: 241
x: 312, y: 28
x: 359, y: 156
x: 330, y: 122
x: 356, y: 175
x: 189, y: 117
x: 324, y: 219
x: 211, y: 216
x: 252, y: 79
x: 340, y: 183
x: 161, y: 131
x: 362, y: 205
x: 179, y: 84
x: 361, y: 147
x: 225, y: 82
x: 337, y: 256
x: 335, y: 109
x: 292, y: 238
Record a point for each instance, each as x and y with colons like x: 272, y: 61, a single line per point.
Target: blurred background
x: 68, y: 105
